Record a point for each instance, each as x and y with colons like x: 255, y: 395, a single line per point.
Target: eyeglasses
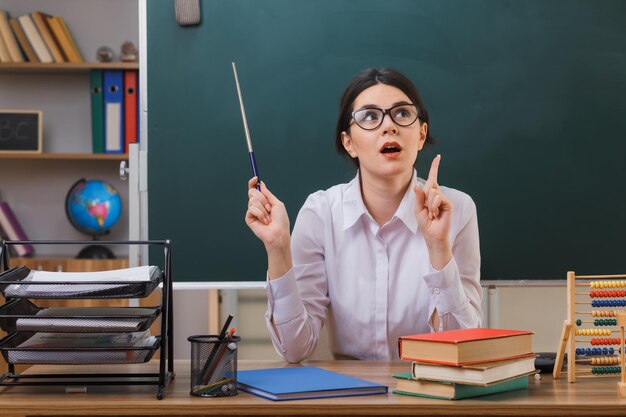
x: 371, y: 118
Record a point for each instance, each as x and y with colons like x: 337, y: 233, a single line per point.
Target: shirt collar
x: 354, y: 207
x: 406, y: 210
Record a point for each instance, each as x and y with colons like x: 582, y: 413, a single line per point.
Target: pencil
x: 214, y: 348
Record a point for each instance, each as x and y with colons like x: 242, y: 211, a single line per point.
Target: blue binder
x: 303, y: 382
x: 113, y: 111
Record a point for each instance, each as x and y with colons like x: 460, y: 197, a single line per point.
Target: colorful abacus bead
x: 606, y: 370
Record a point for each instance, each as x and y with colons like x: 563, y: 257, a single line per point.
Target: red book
x: 130, y: 108
x: 466, y: 346
x: 13, y: 230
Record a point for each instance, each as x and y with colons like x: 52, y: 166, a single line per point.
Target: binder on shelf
x: 35, y: 39
x: 9, y: 39
x: 97, y: 111
x: 113, y: 82
x: 27, y: 48
x: 13, y: 229
x: 130, y: 108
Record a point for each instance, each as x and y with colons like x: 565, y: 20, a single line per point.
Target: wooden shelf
x: 65, y: 156
x: 66, y: 67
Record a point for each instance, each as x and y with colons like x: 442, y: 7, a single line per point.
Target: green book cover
x: 452, y: 391
x: 97, y: 111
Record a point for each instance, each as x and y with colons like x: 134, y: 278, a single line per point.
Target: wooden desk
x: 589, y: 397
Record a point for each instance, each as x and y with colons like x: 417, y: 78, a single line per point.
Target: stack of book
x: 36, y: 37
x: 465, y: 363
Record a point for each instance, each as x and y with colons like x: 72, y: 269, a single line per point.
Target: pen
x: 223, y: 347
x: 255, y: 171
x: 214, y: 349
x: 215, y: 384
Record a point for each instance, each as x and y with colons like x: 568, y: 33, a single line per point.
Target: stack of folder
x: 465, y: 363
x: 114, y: 110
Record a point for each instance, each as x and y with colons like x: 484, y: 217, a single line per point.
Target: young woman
x: 385, y: 255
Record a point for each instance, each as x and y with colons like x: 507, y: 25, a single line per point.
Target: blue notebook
x: 304, y: 382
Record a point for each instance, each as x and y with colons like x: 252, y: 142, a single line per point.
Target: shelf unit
x: 22, y: 67
x: 18, y: 292
x: 35, y: 185
x: 65, y: 156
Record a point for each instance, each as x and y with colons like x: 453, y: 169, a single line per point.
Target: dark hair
x: 364, y: 80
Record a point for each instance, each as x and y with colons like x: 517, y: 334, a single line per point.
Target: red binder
x: 130, y: 108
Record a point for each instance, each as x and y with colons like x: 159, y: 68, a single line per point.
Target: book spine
x: 41, y: 22
x: 23, y: 40
x: 63, y: 40
x: 13, y: 229
x: 79, y: 57
x: 35, y: 39
x: 4, y: 51
x: 9, y: 38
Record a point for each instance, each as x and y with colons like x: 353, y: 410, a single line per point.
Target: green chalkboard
x: 527, y: 101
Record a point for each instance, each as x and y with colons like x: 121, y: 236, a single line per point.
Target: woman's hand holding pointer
x: 267, y: 218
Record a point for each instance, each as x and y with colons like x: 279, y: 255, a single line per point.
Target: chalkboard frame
x: 34, y: 145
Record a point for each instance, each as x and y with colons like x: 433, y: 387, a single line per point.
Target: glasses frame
x: 385, y: 113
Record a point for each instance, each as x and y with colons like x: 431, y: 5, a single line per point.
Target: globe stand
x: 95, y: 252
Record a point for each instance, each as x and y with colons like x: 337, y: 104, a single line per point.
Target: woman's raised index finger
x: 434, y: 169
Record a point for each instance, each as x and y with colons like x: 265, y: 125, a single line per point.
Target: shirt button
x: 436, y: 290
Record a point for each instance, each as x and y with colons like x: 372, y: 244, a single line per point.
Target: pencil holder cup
x: 213, y: 366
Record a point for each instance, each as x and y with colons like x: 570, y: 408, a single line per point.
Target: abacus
x: 593, y: 327
x: 621, y: 322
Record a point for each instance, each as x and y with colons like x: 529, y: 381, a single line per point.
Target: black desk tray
x: 13, y: 285
x: 21, y: 315
x: 102, y: 354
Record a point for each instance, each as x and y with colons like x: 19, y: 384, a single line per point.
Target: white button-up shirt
x: 371, y: 284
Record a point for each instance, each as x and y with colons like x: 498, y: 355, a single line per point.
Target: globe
x: 93, y: 207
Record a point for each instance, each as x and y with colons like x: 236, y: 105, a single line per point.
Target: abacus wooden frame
x: 568, y: 333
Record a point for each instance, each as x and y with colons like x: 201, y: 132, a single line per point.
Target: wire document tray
x: 13, y: 352
x: 19, y: 283
x: 85, y: 335
x: 21, y: 315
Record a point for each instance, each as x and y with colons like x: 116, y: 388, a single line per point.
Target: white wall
x: 538, y: 309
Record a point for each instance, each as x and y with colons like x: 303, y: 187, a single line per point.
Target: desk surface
x: 592, y: 396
